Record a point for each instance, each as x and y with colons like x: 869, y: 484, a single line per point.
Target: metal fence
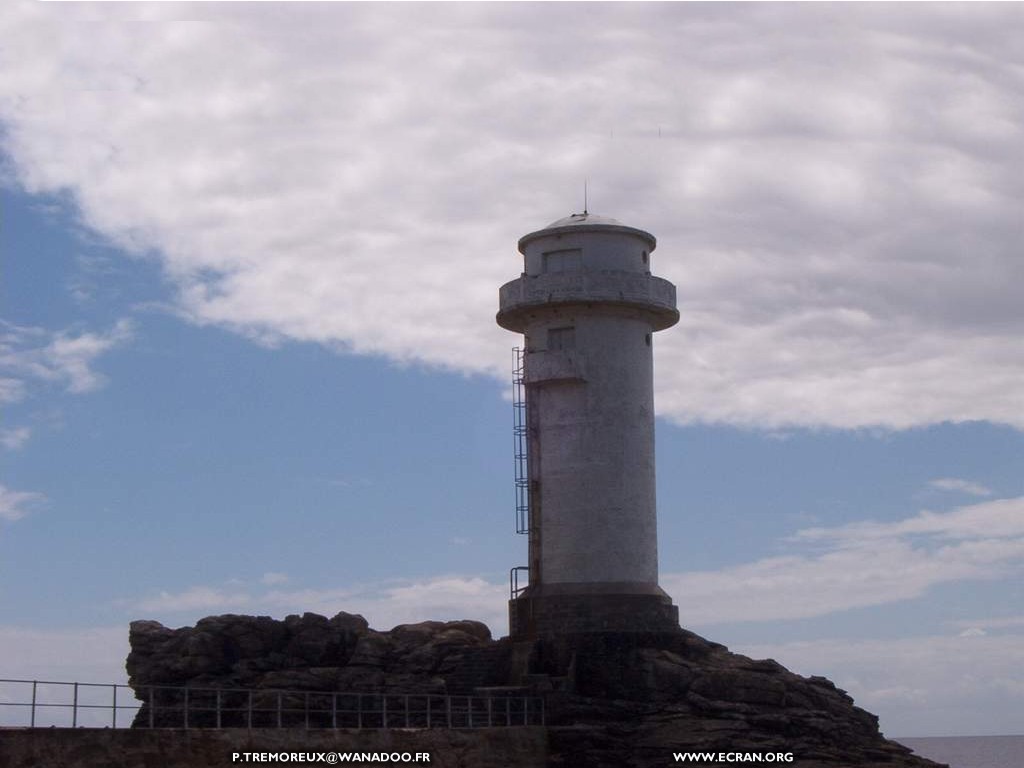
x: 48, y: 703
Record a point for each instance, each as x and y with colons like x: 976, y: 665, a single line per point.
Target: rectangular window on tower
x: 561, y: 339
x: 566, y: 260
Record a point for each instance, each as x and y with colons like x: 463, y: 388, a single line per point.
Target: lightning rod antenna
x: 585, y: 197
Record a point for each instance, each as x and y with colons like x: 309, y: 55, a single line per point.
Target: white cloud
x: 842, y: 222
x: 384, y: 604
x: 193, y: 599
x: 919, y: 686
x: 999, y: 518
x: 14, y: 505
x: 13, y: 439
x: 69, y: 357
x: 973, y: 632
x: 862, y: 564
x: 93, y: 655
x: 442, y: 598
x: 1001, y: 622
x: 90, y: 655
x: 272, y: 578
x: 852, y: 566
x: 963, y: 486
x: 29, y: 356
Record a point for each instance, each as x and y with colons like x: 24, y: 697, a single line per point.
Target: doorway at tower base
x: 573, y: 608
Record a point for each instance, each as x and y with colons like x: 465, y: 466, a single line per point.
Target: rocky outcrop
x: 305, y: 653
x: 636, y: 697
x: 612, y: 699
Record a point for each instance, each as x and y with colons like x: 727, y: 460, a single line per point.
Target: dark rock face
x: 306, y: 653
x: 637, y: 697
x: 612, y: 698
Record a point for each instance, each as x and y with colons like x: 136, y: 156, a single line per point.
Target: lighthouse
x: 588, y: 307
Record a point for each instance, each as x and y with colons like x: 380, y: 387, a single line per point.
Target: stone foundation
x: 541, y: 615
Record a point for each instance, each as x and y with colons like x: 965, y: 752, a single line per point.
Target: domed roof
x: 584, y: 221
x: 584, y: 218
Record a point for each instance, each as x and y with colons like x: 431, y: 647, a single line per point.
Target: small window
x: 647, y: 339
x: 643, y: 257
x: 560, y: 339
x: 567, y: 260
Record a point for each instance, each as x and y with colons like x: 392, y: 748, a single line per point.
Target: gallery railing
x: 48, y: 703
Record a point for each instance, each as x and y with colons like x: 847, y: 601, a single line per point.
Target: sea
x: 970, y: 751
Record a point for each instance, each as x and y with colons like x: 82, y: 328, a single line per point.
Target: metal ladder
x: 521, y: 441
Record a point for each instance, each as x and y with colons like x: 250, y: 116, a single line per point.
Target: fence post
x: 278, y: 709
x: 359, y: 710
x: 218, y: 709
x: 406, y: 710
x: 469, y: 710
x: 33, y: 721
x: 448, y: 709
x: 113, y: 723
x: 248, y: 713
x: 429, y: 699
x: 185, y: 707
x: 334, y: 710
x: 508, y: 710
x: 384, y: 710
x: 152, y: 706
x: 490, y: 707
x: 305, y: 706
x: 74, y: 709
x: 526, y: 710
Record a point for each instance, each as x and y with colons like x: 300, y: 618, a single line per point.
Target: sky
x: 249, y: 261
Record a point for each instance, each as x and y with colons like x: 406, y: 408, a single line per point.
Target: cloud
x: 445, y: 597
x: 1001, y: 622
x: 272, y: 578
x: 14, y: 505
x: 858, y: 565
x: 31, y: 355
x: 194, y: 599
x: 13, y: 439
x: 962, y: 486
x: 94, y: 655
x: 999, y: 518
x: 89, y: 654
x: 842, y: 221
x: 973, y: 632
x: 826, y: 570
x: 384, y: 604
x: 919, y: 686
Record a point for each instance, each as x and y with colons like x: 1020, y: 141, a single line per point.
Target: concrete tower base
x: 538, y: 615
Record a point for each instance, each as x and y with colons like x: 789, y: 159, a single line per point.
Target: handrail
x: 167, y: 706
x: 513, y: 580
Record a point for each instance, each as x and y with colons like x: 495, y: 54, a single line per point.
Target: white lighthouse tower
x: 588, y: 306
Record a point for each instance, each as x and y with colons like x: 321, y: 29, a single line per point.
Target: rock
x: 372, y: 650
x: 349, y: 623
x: 611, y: 699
